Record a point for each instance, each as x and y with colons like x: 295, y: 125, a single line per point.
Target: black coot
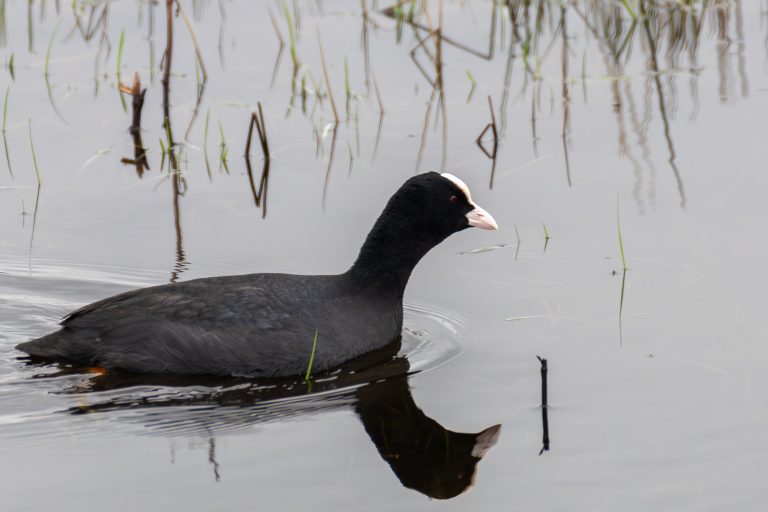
x: 263, y: 325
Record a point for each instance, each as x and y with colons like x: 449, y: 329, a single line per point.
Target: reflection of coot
x: 424, y: 455
x: 263, y: 325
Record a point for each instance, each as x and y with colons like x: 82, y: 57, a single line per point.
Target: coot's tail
x: 61, y: 345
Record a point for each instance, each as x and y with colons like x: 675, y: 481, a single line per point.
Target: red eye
x: 454, y: 199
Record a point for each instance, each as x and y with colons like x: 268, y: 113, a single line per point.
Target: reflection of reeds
x: 624, y: 269
x: 30, y: 29
x: 671, y: 27
x: 223, y: 149
x: 205, y: 144
x: 327, y: 79
x: 347, y: 88
x: 653, y: 63
x: 34, y: 156
x: 178, y: 183
x: 5, y: 139
x: 621, y: 243
x: 473, y: 86
x: 37, y: 194
x: 2, y: 23
x: 47, y: 76
x: 291, y: 34
x: 198, y: 52
x: 280, y: 51
x: 494, y: 149
x: 260, y: 195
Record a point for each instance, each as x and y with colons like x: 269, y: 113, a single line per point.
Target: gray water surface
x: 658, y: 389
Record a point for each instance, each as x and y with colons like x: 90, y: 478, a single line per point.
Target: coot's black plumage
x: 263, y: 325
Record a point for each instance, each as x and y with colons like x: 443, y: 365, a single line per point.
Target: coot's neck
x: 391, y: 251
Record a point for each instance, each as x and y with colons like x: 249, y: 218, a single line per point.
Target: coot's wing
x: 234, y: 325
x: 103, y: 303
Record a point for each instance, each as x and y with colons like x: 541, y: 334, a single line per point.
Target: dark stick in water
x: 544, y: 406
x: 544, y: 370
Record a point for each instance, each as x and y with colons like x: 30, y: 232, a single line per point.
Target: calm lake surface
x: 658, y: 376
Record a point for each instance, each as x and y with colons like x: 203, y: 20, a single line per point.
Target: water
x: 657, y: 378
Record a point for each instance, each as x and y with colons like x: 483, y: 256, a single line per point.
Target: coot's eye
x: 454, y: 199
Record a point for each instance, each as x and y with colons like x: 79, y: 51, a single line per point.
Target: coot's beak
x: 480, y: 218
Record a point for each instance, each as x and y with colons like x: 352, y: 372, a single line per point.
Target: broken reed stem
x: 327, y: 80
x: 543, y: 381
x: 198, y: 52
x: 137, y: 96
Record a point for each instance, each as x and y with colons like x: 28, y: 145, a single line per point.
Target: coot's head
x: 424, y: 211
x: 441, y: 205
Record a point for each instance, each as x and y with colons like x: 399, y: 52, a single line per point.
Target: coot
x: 264, y: 325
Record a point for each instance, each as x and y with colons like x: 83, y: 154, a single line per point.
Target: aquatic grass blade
x: 621, y: 243
x: 46, y: 75
x: 5, y: 140
x: 119, y: 67
x: 311, y: 358
x: 34, y: 157
x: 291, y: 34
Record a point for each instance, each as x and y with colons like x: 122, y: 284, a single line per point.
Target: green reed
x: 311, y: 358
